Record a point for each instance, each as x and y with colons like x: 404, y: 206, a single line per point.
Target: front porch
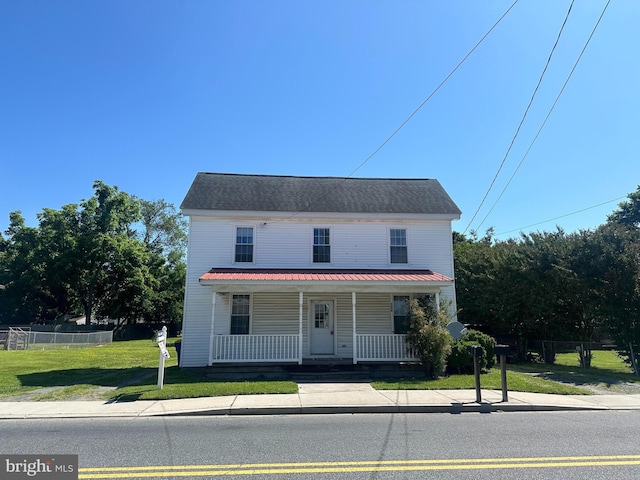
x: 287, y: 348
x: 289, y: 317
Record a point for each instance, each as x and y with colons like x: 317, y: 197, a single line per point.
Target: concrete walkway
x: 315, y: 398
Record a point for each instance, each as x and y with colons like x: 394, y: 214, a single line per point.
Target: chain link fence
x: 53, y: 340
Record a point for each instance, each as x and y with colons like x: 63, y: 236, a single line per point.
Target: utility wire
x: 395, y: 132
x: 524, y: 116
x: 434, y: 91
x: 561, y: 216
x: 547, y: 117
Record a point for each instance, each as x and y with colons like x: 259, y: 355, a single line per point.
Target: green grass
x: 608, y: 372
x: 127, y: 370
x: 606, y: 360
x: 516, y: 381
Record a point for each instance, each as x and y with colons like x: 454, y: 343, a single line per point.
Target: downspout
x: 213, y: 316
x: 353, y: 315
x: 300, y: 303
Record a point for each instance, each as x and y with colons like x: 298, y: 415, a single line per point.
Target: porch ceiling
x: 235, y: 279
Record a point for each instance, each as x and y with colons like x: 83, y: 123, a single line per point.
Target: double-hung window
x: 240, y: 314
x: 401, y: 307
x: 398, y: 245
x: 244, y: 245
x: 321, y: 246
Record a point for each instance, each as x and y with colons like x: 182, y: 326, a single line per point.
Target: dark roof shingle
x: 272, y: 193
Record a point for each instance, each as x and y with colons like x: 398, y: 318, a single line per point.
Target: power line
x: 362, y: 164
x: 524, y: 116
x: 434, y: 91
x: 548, y: 115
x: 561, y: 216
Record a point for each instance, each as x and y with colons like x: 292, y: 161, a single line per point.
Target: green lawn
x: 120, y: 371
x: 608, y: 373
x: 516, y: 381
x: 127, y: 371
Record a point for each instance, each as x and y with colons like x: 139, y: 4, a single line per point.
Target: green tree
x: 88, y: 244
x: 628, y: 212
x: 112, y: 255
x: 428, y: 336
x: 23, y: 274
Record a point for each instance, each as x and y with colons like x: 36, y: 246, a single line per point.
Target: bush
x: 428, y: 336
x: 488, y: 344
x: 461, y: 360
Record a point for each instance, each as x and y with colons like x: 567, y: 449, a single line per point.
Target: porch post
x: 213, y: 316
x: 353, y: 315
x: 438, y: 302
x: 300, y: 302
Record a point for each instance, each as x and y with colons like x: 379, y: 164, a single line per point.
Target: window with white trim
x: 240, y: 314
x: 401, y: 308
x: 244, y: 245
x: 398, y: 245
x: 321, y: 246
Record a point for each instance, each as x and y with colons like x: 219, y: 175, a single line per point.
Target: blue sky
x: 144, y: 94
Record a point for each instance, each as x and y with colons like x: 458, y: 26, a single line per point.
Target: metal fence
x: 51, y: 340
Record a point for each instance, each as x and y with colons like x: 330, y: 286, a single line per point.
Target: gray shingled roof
x: 272, y: 193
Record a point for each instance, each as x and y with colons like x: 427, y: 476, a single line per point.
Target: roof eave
x: 228, y: 286
x: 193, y: 212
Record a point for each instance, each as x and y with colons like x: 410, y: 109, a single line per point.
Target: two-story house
x: 284, y: 269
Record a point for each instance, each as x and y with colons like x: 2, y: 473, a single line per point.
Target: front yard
x: 127, y: 371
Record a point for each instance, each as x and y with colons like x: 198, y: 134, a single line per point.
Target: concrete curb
x: 353, y: 409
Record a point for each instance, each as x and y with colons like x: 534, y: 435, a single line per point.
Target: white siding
x: 287, y: 243
x: 276, y: 313
x: 373, y: 313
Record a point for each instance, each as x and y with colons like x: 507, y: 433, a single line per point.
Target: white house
x: 286, y: 269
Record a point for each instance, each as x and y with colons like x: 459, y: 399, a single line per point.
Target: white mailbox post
x: 161, y: 338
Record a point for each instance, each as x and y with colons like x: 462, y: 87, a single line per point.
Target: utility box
x: 502, y: 350
x: 477, y: 351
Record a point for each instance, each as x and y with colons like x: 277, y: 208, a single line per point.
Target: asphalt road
x: 551, y: 445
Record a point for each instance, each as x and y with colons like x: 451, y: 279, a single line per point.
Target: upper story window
x: 240, y: 314
x: 398, y: 245
x: 244, y: 244
x: 321, y: 245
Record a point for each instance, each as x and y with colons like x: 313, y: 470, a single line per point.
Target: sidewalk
x: 315, y: 398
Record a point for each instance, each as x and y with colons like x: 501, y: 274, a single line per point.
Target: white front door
x: 322, y: 325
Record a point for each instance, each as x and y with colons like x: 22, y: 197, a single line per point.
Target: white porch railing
x: 378, y: 347
x: 255, y: 348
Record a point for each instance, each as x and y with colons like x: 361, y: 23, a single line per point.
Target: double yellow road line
x: 359, y: 466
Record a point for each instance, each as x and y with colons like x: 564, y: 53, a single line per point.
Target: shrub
x: 488, y: 344
x: 461, y: 360
x: 428, y: 336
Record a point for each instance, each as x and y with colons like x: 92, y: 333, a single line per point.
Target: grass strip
x: 516, y: 381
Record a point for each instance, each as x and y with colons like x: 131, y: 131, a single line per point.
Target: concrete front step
x: 329, y: 372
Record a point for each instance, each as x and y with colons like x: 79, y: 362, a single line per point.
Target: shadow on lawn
x: 581, y: 377
x: 103, y: 377
x: 108, y: 377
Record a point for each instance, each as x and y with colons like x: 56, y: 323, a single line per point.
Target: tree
x: 628, y: 213
x: 23, y: 297
x: 110, y: 256
x: 428, y: 336
x: 88, y: 244
x: 163, y: 228
x: 475, y: 274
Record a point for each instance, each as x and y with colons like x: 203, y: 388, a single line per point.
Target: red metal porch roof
x: 321, y: 275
